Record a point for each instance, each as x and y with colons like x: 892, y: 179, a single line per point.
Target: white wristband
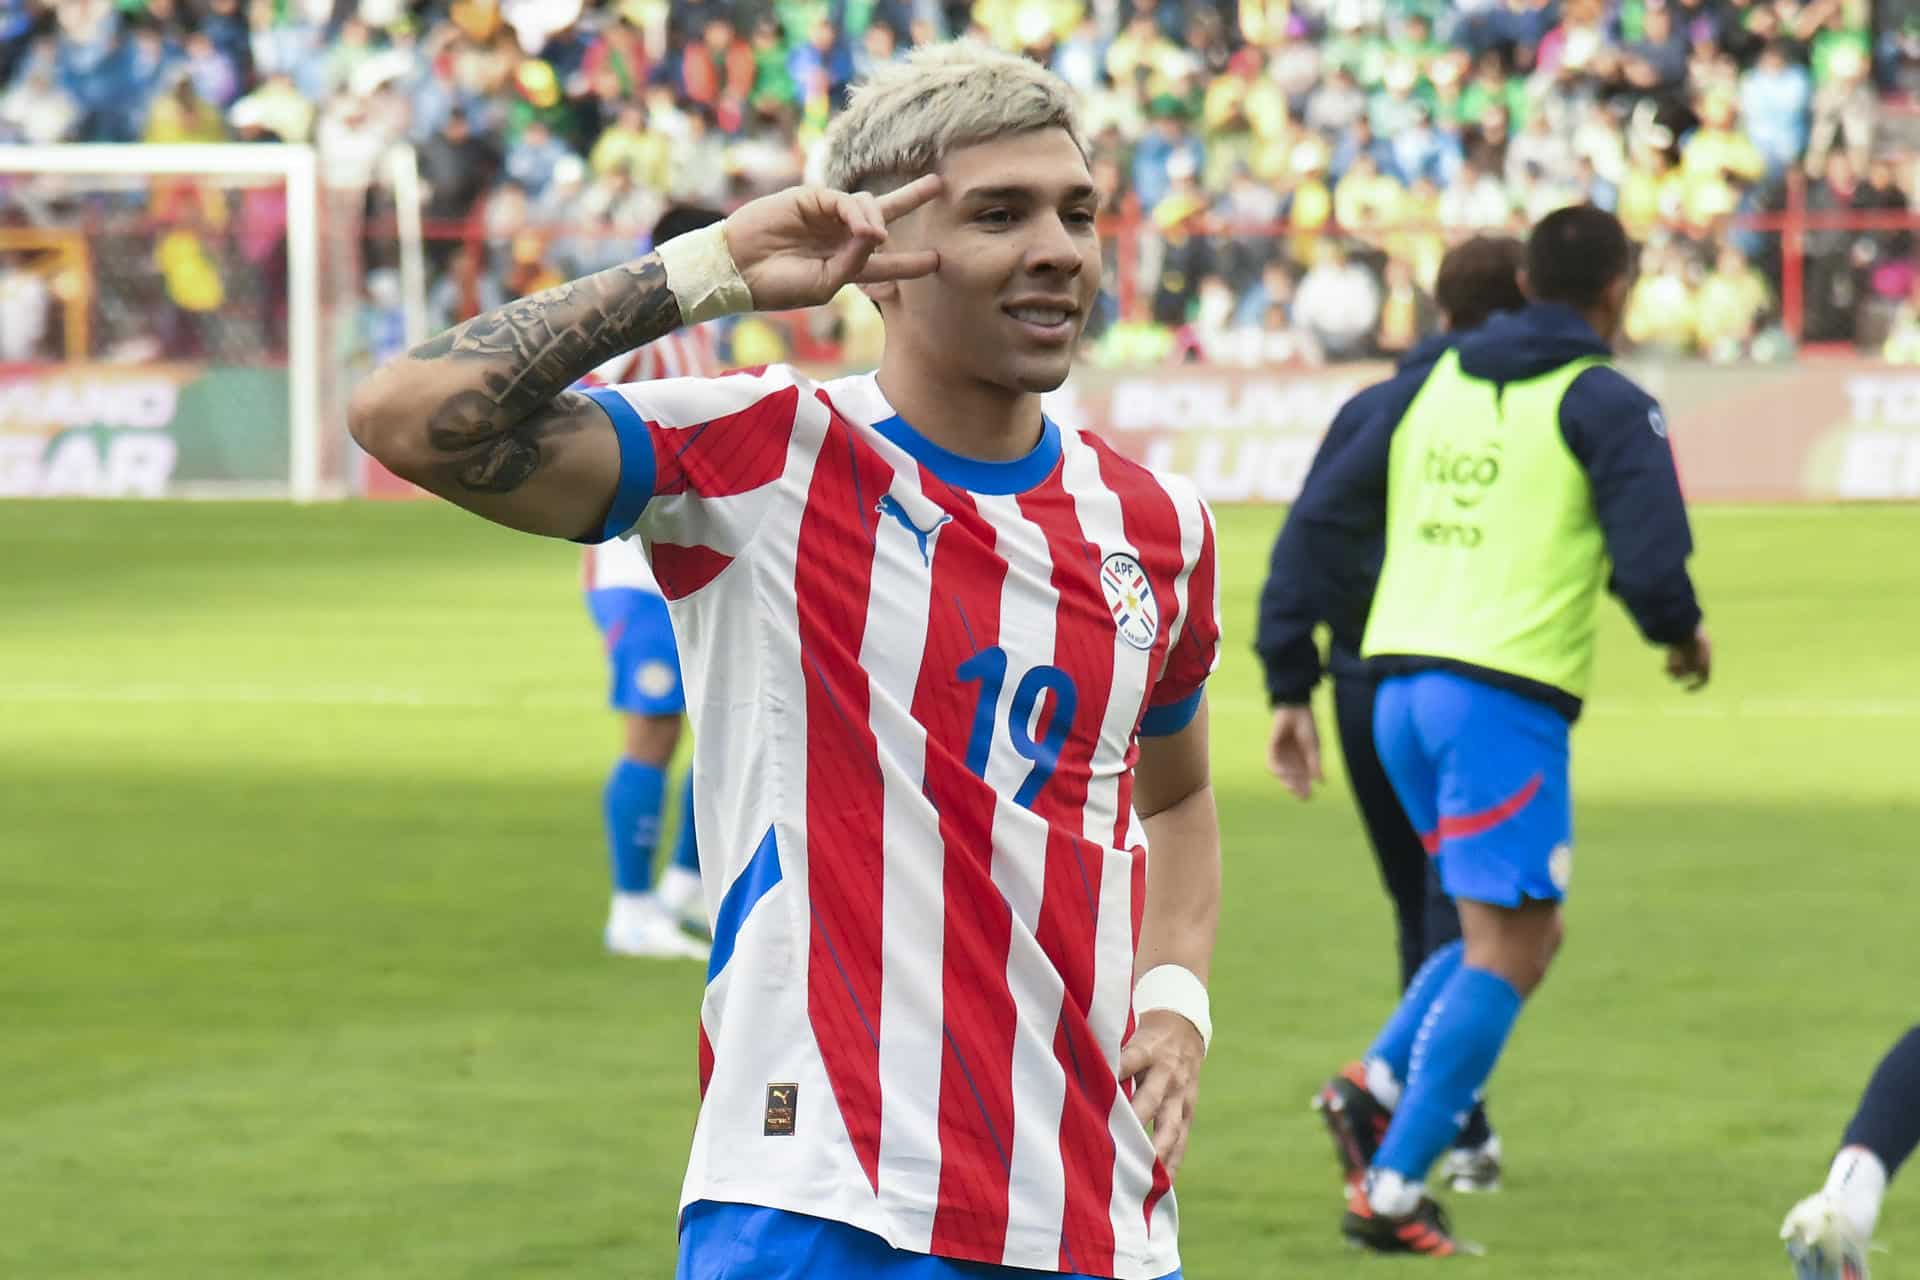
x: 703, y: 276
x: 1175, y: 988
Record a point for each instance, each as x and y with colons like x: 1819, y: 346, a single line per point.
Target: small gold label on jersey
x: 783, y: 1103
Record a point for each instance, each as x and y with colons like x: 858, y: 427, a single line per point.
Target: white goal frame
x: 297, y: 167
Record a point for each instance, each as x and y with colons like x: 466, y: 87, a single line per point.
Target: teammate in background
x: 625, y: 602
x: 1517, y: 479
x: 946, y: 665
x: 1828, y: 1233
x: 1477, y: 280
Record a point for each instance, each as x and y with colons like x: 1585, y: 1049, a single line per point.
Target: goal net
x: 183, y: 321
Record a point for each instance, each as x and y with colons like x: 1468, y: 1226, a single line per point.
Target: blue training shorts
x: 746, y: 1242
x: 641, y: 651
x: 1482, y: 772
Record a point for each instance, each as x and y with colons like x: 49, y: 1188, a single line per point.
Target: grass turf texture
x: 303, y: 880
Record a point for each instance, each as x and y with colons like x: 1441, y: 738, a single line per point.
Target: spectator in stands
x: 1774, y: 100
x: 1903, y: 339
x: 1153, y: 155
x: 1832, y: 273
x: 1474, y: 201
x: 278, y: 107
x: 1538, y: 153
x: 1274, y: 289
x: 1337, y: 104
x: 456, y: 169
x: 1844, y: 112
x: 26, y: 306
x: 1731, y: 304
x: 821, y: 68
x: 36, y: 110
x: 180, y: 114
x: 1406, y: 312
x: 1660, y: 309
x: 1360, y: 140
x: 1337, y: 302
x: 697, y: 170
x: 717, y: 73
x: 530, y: 162
x: 1656, y: 63
x: 1421, y: 151
x: 1366, y: 200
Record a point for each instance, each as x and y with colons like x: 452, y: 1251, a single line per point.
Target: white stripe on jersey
x: 1036, y: 1178
x: 911, y: 942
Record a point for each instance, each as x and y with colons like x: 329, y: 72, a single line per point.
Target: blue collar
x: 974, y: 474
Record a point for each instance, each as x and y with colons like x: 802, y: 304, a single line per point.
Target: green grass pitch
x: 301, y: 885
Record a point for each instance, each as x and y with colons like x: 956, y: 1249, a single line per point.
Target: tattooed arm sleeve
x: 482, y: 414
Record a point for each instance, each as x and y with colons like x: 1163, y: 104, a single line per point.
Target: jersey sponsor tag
x: 783, y: 1102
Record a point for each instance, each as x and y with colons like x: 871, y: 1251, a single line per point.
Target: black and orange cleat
x: 1424, y: 1231
x: 1355, y: 1119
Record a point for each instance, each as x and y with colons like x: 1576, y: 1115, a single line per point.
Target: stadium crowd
x: 1281, y: 176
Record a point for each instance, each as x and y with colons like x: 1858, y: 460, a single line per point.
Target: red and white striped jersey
x: 684, y: 353
x: 916, y: 683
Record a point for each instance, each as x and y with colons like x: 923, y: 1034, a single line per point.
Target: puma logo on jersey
x: 923, y: 538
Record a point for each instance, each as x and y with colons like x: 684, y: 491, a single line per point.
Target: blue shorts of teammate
x: 746, y: 1242
x: 1482, y: 772
x: 641, y: 651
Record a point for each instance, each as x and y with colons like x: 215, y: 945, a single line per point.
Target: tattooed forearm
x: 488, y: 436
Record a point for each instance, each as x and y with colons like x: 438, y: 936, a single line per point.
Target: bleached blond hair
x: 904, y: 121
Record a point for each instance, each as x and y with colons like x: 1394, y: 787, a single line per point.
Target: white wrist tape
x: 702, y: 274
x: 1175, y: 988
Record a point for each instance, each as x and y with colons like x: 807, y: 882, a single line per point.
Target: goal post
x: 203, y: 318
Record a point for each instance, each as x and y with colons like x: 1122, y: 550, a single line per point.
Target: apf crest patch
x: 1130, y: 599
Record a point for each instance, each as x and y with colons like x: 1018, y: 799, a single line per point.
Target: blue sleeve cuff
x: 636, y: 464
x: 1160, y: 722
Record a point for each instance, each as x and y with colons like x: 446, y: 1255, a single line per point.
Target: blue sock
x: 1457, y: 1047
x: 632, y: 805
x: 1394, y: 1044
x: 686, y: 846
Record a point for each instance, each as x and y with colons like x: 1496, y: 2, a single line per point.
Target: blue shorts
x: 746, y: 1242
x: 640, y: 649
x: 1482, y: 772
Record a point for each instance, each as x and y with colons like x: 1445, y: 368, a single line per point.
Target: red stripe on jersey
x: 586, y: 569
x: 1138, y: 899
x: 731, y: 454
x: 1069, y: 911
x: 706, y: 1061
x: 846, y: 863
x: 681, y: 571
x: 1152, y: 527
x: 1193, y: 653
x: 978, y: 1014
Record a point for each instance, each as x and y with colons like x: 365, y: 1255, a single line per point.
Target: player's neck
x: 963, y: 415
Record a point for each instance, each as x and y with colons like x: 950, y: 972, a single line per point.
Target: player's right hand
x: 796, y: 248
x: 1691, y: 663
x: 1293, y: 749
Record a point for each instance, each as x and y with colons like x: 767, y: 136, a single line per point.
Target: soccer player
x: 1828, y: 1233
x: 1518, y: 478
x: 1478, y: 279
x: 946, y: 665
x: 625, y: 603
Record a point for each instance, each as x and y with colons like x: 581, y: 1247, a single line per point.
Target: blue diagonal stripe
x: 762, y: 873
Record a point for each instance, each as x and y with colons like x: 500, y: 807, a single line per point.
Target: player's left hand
x: 1163, y: 1061
x: 1691, y: 663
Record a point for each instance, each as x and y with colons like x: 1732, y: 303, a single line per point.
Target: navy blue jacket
x: 1613, y: 429
x: 1290, y: 604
